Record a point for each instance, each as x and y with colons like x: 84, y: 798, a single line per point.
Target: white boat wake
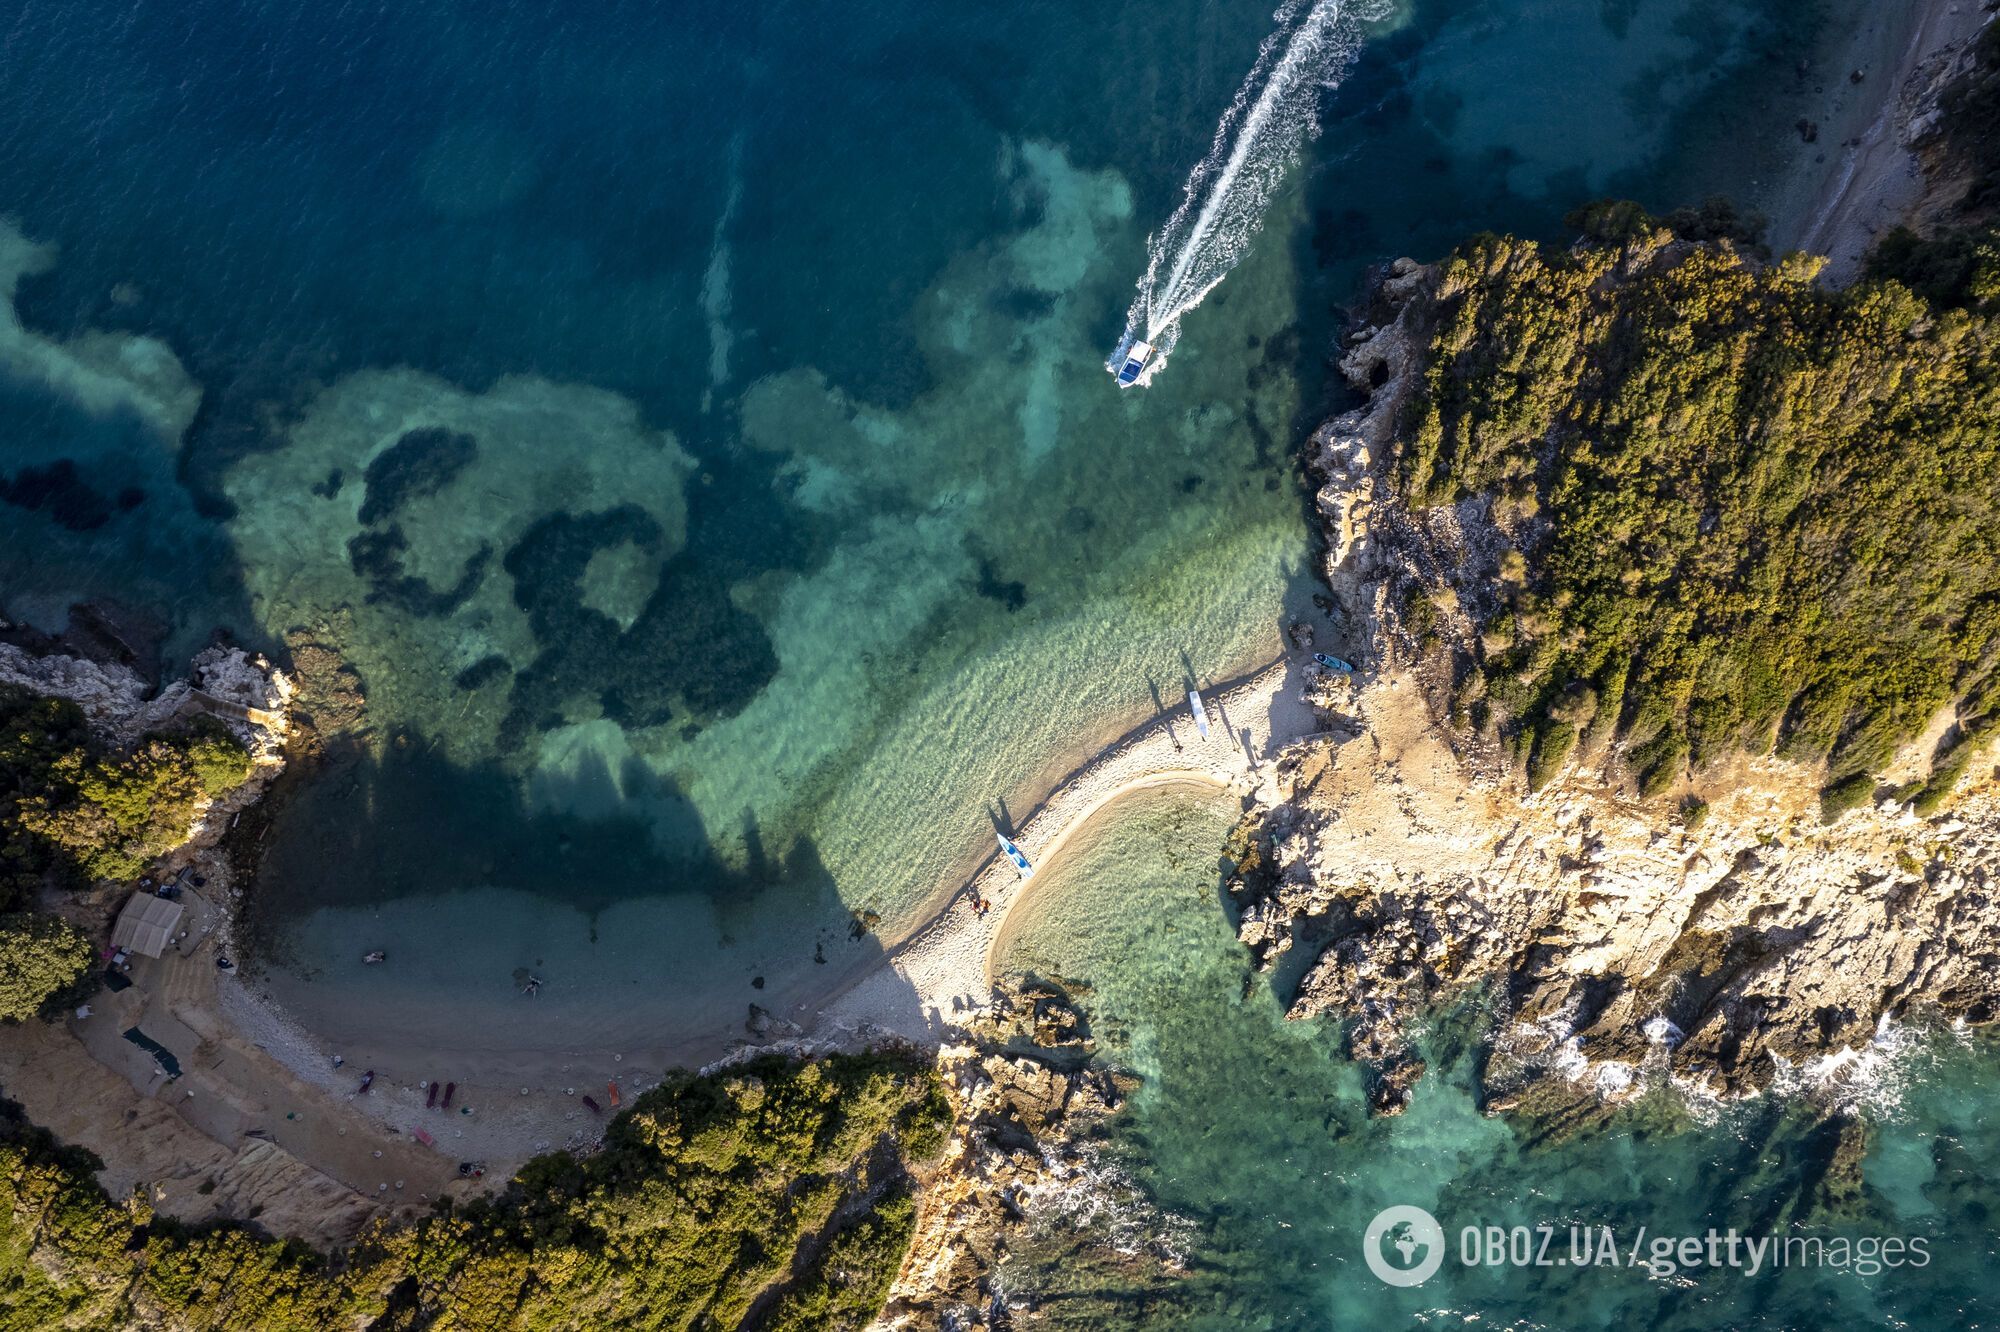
x: 1274, y: 113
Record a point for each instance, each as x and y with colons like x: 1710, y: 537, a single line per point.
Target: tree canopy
x: 1747, y: 511
x: 772, y: 1195
x: 74, y: 811
x: 40, y: 958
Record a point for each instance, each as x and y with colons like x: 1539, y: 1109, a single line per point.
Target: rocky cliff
x: 1720, y: 936
x: 1020, y: 1221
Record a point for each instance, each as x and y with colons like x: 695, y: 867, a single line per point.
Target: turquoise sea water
x: 1251, y: 1137
x: 690, y: 422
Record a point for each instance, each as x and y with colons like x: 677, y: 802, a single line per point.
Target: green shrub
x: 41, y: 959
x: 1768, y: 510
x: 108, y: 816
x: 775, y: 1188
x: 1554, y: 740
x: 1847, y: 793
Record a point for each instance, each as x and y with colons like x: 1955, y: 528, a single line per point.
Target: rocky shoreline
x: 1020, y: 1178
x: 1719, y: 939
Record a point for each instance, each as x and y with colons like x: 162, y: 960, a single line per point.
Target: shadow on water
x: 637, y: 921
x: 364, y: 828
x: 1001, y: 817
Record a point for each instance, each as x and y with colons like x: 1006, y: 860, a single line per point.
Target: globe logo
x: 1403, y: 1246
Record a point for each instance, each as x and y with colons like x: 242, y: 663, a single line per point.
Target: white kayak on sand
x: 1200, y: 713
x: 1013, y: 853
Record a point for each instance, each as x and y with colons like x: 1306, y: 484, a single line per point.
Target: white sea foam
x: 1274, y: 113
x: 1869, y: 1080
x: 1086, y: 1194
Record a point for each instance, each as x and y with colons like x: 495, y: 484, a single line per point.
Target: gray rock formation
x: 1620, y: 942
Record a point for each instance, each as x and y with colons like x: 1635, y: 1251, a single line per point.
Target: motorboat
x: 1129, y: 362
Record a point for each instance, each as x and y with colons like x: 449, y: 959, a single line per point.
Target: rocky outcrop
x: 1026, y: 1099
x: 241, y: 690
x: 1724, y: 939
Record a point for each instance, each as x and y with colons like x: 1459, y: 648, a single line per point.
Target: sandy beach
x: 1839, y: 208
x: 510, y: 1105
x: 942, y: 970
x: 270, y: 1095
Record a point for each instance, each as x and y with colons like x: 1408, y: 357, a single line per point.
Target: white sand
x: 943, y: 969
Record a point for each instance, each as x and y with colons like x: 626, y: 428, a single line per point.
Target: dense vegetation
x: 41, y: 958
x: 774, y: 1195
x: 1743, y: 511
x: 71, y: 813
x: 1746, y: 511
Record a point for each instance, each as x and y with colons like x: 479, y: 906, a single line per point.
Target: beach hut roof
x: 146, y: 924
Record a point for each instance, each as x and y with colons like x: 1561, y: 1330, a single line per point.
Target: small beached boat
x: 1013, y: 853
x: 1333, y: 663
x: 592, y: 1106
x: 430, y: 1101
x: 1200, y: 713
x: 449, y: 1088
x: 612, y: 1088
x: 367, y: 1081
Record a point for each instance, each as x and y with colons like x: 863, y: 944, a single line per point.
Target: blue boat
x: 1333, y: 663
x: 1013, y: 853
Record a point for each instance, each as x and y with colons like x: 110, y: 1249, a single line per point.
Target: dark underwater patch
x: 481, y: 673
x: 60, y: 491
x: 689, y: 646
x: 377, y: 556
x: 1011, y: 593
x: 418, y: 465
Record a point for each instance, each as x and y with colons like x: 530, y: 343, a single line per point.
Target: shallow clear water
x: 1254, y: 1131
x: 690, y: 423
